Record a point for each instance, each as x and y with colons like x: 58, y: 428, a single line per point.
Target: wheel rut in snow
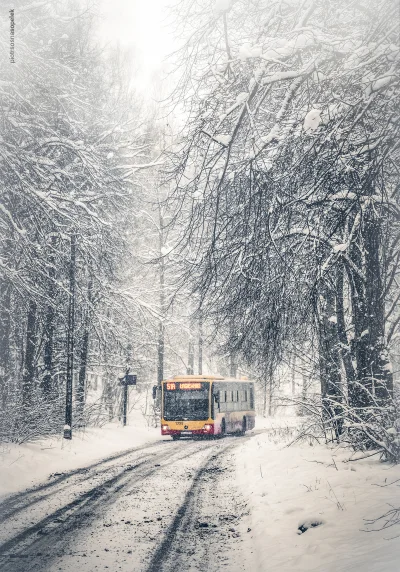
x: 55, y: 530
x: 188, y: 536
x: 20, y: 501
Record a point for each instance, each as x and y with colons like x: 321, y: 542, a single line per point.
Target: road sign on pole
x: 125, y: 403
x: 125, y: 380
x: 128, y: 379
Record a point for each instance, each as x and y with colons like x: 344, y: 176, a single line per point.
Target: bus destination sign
x: 171, y: 386
x: 191, y: 385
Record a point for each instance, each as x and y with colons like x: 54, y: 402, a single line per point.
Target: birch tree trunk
x: 345, y: 350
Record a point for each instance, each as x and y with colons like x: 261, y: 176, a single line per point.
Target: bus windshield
x: 186, y: 404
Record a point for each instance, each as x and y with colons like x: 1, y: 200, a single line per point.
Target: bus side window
x: 226, y: 396
x: 251, y: 398
x: 245, y: 395
x: 232, y: 396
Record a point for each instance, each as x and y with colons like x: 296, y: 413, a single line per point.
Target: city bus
x: 206, y: 405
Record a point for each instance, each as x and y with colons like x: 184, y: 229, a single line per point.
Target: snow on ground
x: 281, y: 423
x: 25, y: 465
x: 275, y: 490
x: 286, y: 487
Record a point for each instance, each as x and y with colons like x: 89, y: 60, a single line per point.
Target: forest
x: 247, y: 223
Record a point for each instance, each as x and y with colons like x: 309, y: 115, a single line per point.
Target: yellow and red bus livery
x: 201, y: 405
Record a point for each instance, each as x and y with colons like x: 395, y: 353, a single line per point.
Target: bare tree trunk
x: 47, y: 381
x: 265, y: 398
x: 29, y: 363
x: 5, y: 333
x: 374, y: 377
x: 271, y: 391
x: 70, y: 341
x: 345, y: 350
x: 190, y: 367
x: 200, y: 345
x: 48, y: 351
x: 5, y: 326
x: 356, y: 396
x: 232, y: 365
x: 160, y: 352
x: 380, y: 375
x: 161, y: 327
x: 329, y: 359
x: 270, y: 398
x: 304, y: 390
x: 80, y: 390
x: 232, y: 357
x: 294, y: 375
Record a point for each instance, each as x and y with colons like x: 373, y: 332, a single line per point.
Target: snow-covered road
x: 239, y: 504
x: 159, y: 507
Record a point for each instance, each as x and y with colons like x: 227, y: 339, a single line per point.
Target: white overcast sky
x: 140, y: 26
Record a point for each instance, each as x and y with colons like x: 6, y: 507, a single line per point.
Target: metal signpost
x: 127, y: 379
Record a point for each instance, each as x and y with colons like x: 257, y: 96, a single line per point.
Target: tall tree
x: 287, y: 174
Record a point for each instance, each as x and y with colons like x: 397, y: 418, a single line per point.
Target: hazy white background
x: 141, y: 27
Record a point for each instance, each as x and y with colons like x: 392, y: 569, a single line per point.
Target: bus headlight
x: 209, y: 428
x: 164, y: 428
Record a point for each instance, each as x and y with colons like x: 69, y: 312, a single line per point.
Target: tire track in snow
x: 42, y: 536
x: 168, y: 555
x: 20, y: 501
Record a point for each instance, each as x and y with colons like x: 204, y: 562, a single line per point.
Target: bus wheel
x: 176, y: 437
x: 244, y: 426
x: 223, y: 428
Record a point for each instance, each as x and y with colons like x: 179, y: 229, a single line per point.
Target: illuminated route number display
x: 172, y: 386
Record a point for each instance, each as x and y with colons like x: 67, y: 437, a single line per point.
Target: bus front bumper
x: 207, y: 429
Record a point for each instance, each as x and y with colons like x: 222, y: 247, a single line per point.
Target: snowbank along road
x: 162, y: 507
